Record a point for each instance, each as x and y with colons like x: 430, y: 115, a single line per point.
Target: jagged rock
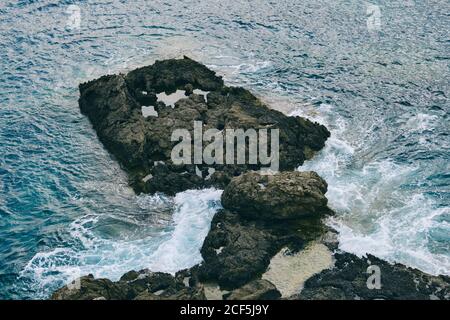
x: 88, y: 288
x: 348, y: 280
x: 286, y: 195
x: 238, y: 250
x: 143, y: 145
x: 235, y: 251
x: 142, y: 285
x: 259, y: 221
x: 148, y: 281
x: 255, y: 290
x: 145, y: 295
x: 263, y: 214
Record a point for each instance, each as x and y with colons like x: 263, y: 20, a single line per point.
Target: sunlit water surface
x: 382, y: 89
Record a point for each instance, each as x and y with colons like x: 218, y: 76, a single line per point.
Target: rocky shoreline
x: 271, y: 226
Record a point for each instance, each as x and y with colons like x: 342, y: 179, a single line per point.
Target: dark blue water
x: 381, y: 86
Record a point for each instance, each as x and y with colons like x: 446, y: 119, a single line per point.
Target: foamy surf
x: 377, y: 210
x: 170, y: 248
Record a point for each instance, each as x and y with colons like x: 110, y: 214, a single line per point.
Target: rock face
x: 143, y: 146
x: 287, y: 195
x: 262, y: 213
x: 240, y: 245
x: 142, y: 285
x: 348, y: 280
x: 236, y: 251
x: 258, y: 221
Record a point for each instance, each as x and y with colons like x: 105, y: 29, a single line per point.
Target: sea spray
x: 377, y: 210
x: 172, y: 247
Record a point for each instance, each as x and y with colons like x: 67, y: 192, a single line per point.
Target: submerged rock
x: 286, y: 195
x: 143, y: 145
x: 255, y: 290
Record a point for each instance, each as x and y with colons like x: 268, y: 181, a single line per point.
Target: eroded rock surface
x: 287, y: 195
x: 262, y: 214
x: 143, y: 145
x: 258, y: 221
x: 135, y: 285
x: 348, y: 280
x: 255, y: 290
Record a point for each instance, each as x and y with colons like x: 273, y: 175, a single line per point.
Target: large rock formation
x: 262, y: 214
x: 236, y: 251
x: 143, y: 145
x: 288, y: 195
x: 258, y: 221
x: 89, y: 288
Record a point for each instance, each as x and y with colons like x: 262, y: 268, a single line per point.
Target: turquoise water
x: 382, y: 89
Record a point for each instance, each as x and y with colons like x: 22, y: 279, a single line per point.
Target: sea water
x: 380, y: 84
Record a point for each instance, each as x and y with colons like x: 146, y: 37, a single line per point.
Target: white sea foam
x: 421, y: 122
x: 376, y: 212
x: 195, y: 210
x: 169, y: 250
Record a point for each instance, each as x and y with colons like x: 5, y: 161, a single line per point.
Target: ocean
x: 375, y: 73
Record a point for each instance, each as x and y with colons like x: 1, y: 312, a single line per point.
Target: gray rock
x: 236, y: 251
x: 347, y: 280
x: 286, y: 195
x: 113, y: 105
x: 255, y: 290
x: 142, y: 285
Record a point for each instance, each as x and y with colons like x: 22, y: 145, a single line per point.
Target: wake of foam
x: 169, y: 249
x: 377, y: 210
x: 195, y: 210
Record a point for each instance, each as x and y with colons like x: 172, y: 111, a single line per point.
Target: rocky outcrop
x: 258, y: 221
x: 143, y: 145
x: 236, y: 251
x: 348, y: 280
x: 239, y: 247
x: 287, y: 195
x: 89, y: 288
x: 142, y: 285
x: 262, y: 215
x: 241, y: 242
